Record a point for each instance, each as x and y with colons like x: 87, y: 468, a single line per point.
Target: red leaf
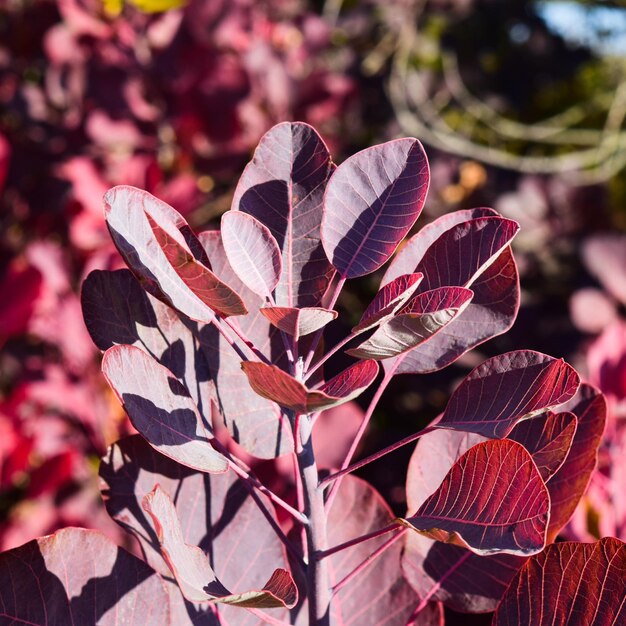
x: 193, y: 571
x: 202, y: 282
x: 569, y: 584
x: 507, y: 389
x: 283, y: 187
x: 388, y: 300
x: 79, y: 576
x: 274, y: 384
x: 426, y: 315
x: 252, y: 252
x: 492, y: 500
x: 371, y: 202
x: 298, y: 322
x: 160, y: 408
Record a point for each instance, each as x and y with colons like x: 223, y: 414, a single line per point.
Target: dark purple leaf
x: 507, y: 389
x: 491, y: 312
x: 198, y: 278
x: 569, y: 483
x: 160, y: 408
x: 427, y: 314
x: 298, y: 322
x: 569, y: 584
x: 127, y: 211
x: 275, y: 384
x: 252, y: 252
x: 79, y: 576
x: 548, y: 439
x: 371, y: 202
x: 283, y: 187
x: 255, y: 423
x: 461, y: 579
x: 216, y: 513
x: 192, y: 568
x: 378, y: 596
x: 492, y: 500
x: 388, y: 300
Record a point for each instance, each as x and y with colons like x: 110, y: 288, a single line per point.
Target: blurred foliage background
x: 521, y: 106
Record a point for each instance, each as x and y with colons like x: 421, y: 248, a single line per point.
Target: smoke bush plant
x: 213, y: 343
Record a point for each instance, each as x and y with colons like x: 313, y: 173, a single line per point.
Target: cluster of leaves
x: 213, y: 346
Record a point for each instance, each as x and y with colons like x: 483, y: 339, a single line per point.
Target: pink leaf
x: 371, y: 202
x: 507, y: 389
x: 78, y: 576
x: 160, y: 408
x: 252, y: 252
x: 193, y: 571
x: 283, y: 187
x: 388, y: 301
x: 274, y: 384
x: 605, y: 257
x: 569, y: 584
x: 492, y: 500
x: 426, y: 315
x: 298, y: 322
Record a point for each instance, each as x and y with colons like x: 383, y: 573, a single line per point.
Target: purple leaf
x: 388, y: 301
x: 160, y: 408
x: 507, y: 389
x: 569, y: 584
x: 568, y: 485
x: 371, y: 202
x: 193, y: 571
x: 216, y: 513
x: 378, y: 596
x: 548, y: 440
x: 255, y: 423
x: 275, y: 384
x: 298, y: 322
x: 198, y: 278
x: 426, y: 315
x: 127, y: 211
x: 492, y: 500
x: 78, y: 576
x: 283, y: 187
x: 461, y: 579
x: 252, y: 252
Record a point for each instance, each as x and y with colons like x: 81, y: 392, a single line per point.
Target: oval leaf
x: 371, y: 202
x: 388, y: 301
x: 298, y: 322
x: 78, y: 576
x: 200, y: 280
x: 193, y: 571
x: 252, y: 252
x: 425, y: 315
x: 283, y: 187
x: 569, y: 584
x: 492, y: 501
x: 507, y: 389
x: 160, y: 408
x: 274, y: 384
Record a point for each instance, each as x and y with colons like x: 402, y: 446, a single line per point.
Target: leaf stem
x: 330, y: 353
x: 234, y: 327
x: 368, y: 561
x: 357, y: 540
x: 267, y: 618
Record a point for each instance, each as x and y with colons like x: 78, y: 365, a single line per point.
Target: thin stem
x: 374, y: 457
x: 357, y: 439
x: 368, y: 561
x: 234, y: 327
x: 318, y: 334
x: 327, y: 356
x: 356, y: 541
x: 267, y: 618
x: 435, y: 588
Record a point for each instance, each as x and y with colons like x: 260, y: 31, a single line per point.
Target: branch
x: 361, y: 539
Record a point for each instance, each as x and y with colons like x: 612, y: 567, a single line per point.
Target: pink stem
x: 435, y: 588
x: 267, y: 618
x: 327, y: 356
x: 361, y: 539
x: 243, y: 338
x: 370, y: 559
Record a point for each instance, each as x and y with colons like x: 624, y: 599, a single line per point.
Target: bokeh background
x: 521, y: 106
